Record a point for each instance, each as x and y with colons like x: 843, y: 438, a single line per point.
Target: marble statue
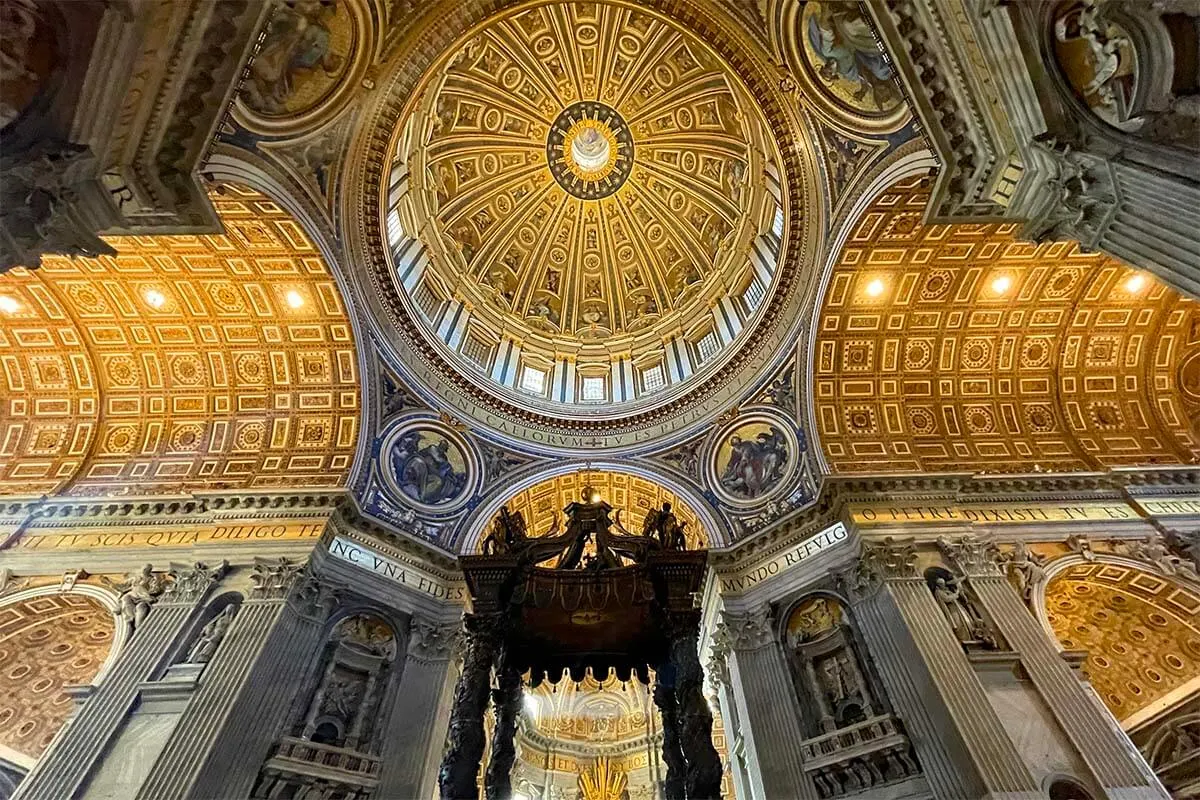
x: 210, y: 637
x: 139, y: 591
x: 965, y: 623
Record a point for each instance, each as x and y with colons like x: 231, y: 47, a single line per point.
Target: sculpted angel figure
x: 139, y: 591
x: 508, y: 531
x: 1025, y: 567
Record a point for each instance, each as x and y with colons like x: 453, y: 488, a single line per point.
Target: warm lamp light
x: 875, y: 288
x: 294, y: 298
x: 9, y: 305
x: 1001, y: 284
x: 1135, y: 283
x: 154, y: 298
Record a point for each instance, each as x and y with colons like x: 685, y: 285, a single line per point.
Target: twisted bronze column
x: 459, y: 773
x: 668, y: 709
x: 695, y: 719
x: 507, y: 700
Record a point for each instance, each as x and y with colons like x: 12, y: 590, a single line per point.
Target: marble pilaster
x: 770, y: 721
x: 1112, y: 759
x: 995, y: 767
x: 224, y: 741
x: 78, y: 750
x: 417, y: 722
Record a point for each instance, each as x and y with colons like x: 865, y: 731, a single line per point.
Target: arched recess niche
x: 543, y: 493
x: 50, y: 639
x: 1141, y: 632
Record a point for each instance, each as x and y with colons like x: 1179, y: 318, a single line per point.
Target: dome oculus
x: 590, y: 150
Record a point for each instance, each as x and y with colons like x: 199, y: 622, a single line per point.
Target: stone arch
x: 50, y: 639
x: 958, y: 348
x: 1141, y: 631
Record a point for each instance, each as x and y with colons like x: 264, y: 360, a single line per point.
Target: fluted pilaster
x: 1000, y: 765
x: 943, y: 755
x: 283, y: 627
x: 416, y: 728
x: 1111, y: 758
x: 763, y: 690
x: 79, y: 748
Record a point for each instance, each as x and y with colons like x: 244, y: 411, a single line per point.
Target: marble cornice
x: 76, y: 512
x: 349, y: 519
x: 839, y: 491
x: 581, y: 749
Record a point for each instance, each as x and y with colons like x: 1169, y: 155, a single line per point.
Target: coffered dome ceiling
x: 584, y: 219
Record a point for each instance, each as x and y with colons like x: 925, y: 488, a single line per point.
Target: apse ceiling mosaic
x: 958, y: 348
x: 180, y: 363
x: 1141, y: 632
x: 586, y: 184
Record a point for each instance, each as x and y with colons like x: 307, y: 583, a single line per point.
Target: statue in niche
x: 828, y: 674
x: 966, y: 623
x: 138, y: 592
x: 210, y: 637
x: 508, y: 533
x: 340, y: 698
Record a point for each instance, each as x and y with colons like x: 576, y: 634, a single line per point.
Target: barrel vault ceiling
x: 182, y: 363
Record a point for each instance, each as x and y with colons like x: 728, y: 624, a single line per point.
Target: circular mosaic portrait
x: 839, y: 51
x: 753, y: 458
x: 303, y: 66
x: 428, y: 466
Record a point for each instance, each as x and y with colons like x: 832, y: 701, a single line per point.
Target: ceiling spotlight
x: 595, y: 497
x: 875, y: 288
x: 9, y: 305
x: 1135, y: 283
x: 294, y: 298
x: 154, y: 298
x: 1001, y: 284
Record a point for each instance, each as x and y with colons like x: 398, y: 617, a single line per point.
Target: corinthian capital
x: 432, y: 641
x: 971, y: 555
x: 749, y: 630
x: 273, y: 579
x: 189, y: 584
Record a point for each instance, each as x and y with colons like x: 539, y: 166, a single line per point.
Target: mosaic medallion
x: 590, y: 150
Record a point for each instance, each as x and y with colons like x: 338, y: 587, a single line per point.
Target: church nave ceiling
x: 182, y: 363
x: 958, y: 348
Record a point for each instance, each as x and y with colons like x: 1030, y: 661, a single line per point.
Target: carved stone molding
x: 717, y: 665
x: 970, y: 555
x: 190, y: 584
x: 273, y: 579
x: 749, y: 630
x: 37, y: 205
x: 430, y: 641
